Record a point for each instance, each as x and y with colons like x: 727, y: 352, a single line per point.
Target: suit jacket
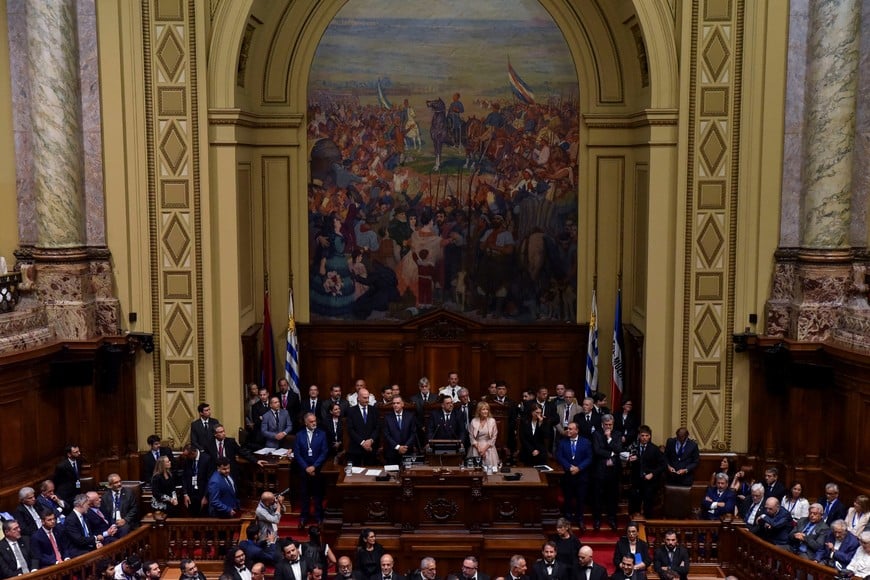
x: 561, y: 420
x: 97, y: 522
x: 259, y: 552
x: 129, y: 507
x: 49, y: 505
x: 232, y: 451
x: 396, y: 576
x: 560, y: 571
x: 233, y: 573
x: 440, y: 428
x: 324, y: 409
x: 680, y: 562
x: 41, y: 550
x: 79, y: 542
x: 334, y: 434
x: 270, y: 427
x: 148, y: 462
x: 359, y: 430
x: 652, y: 460
x: 587, y: 428
x: 65, y: 478
x: 598, y: 572
x: 421, y: 405
x: 200, y: 434
x: 529, y: 443
x: 844, y: 555
x: 743, y: 511
x: 204, y: 469
x: 687, y: 459
x: 812, y: 541
x: 393, y: 435
x: 623, y: 548
x: 290, y: 402
x: 8, y: 564
x: 25, y: 520
x: 713, y: 496
x: 306, y: 408
x: 548, y: 408
x: 222, y: 498
x: 778, y: 490
x: 836, y: 512
x: 627, y: 426
x: 319, y: 449
x: 602, y: 451
x: 283, y: 570
x: 582, y: 457
x: 258, y: 409
x: 775, y: 528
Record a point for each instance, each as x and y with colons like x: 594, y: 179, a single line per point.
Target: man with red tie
x: 48, y: 544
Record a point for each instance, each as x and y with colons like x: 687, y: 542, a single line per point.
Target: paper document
x: 373, y: 472
x: 358, y: 470
x: 264, y: 451
x: 391, y: 468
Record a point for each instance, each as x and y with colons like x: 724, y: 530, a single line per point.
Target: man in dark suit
x: 222, y: 447
x: 625, y: 421
x: 49, y: 500
x: 97, y: 521
x: 719, y: 499
x: 258, y: 409
x: 809, y: 533
x: 542, y: 401
x: 400, y: 432
x: 387, y: 571
x: 27, y: 514
x: 223, y: 501
x: 534, y: 433
x: 773, y: 487
x: 423, y: 398
x: 202, y: 429
x: 671, y: 560
x: 311, y: 404
x: 599, y: 403
x: 276, y: 425
x: 606, y: 470
x: 334, y: 397
x: 198, y: 468
x: 839, y: 546
x: 445, y: 423
x: 120, y: 505
x: 834, y: 509
x: 67, y: 474
x: 15, y: 555
x: 333, y: 426
x: 291, y: 566
x: 257, y: 550
x: 682, y: 456
x: 466, y: 409
x: 344, y: 570
x: 471, y: 569
x: 547, y: 568
x: 587, y: 569
x: 49, y: 545
x: 311, y: 453
x: 518, y: 568
x: 625, y: 571
x: 575, y: 456
x: 362, y: 430
x: 501, y: 394
x: 81, y: 539
x: 587, y: 420
x: 647, y: 466
x: 775, y: 524
x: 753, y: 507
x: 288, y: 399
x: 155, y: 452
x: 190, y: 571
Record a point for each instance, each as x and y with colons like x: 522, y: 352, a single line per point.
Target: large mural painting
x: 443, y: 163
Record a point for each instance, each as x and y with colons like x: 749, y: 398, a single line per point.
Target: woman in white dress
x: 483, y: 433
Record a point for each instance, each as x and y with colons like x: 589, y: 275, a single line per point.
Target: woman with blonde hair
x: 482, y: 433
x: 858, y: 515
x: 163, y: 497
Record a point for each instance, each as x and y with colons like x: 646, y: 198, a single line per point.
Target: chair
x: 677, y: 502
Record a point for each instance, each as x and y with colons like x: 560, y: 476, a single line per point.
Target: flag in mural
x: 520, y: 89
x: 592, y: 350
x: 291, y: 364
x: 617, y: 386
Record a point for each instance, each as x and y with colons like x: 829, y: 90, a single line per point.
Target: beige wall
x: 8, y: 194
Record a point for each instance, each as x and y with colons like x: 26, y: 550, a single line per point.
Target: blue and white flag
x: 291, y: 365
x: 592, y: 350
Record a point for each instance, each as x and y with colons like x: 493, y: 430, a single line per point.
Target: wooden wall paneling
x: 437, y: 359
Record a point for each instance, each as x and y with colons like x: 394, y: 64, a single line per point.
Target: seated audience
x: 27, y: 514
x: 368, y: 553
x: 860, y: 563
x: 345, y: 571
x: 387, y: 569
x: 190, y: 571
x: 626, y: 571
x: 50, y: 501
x: 81, y: 539
x: 858, y: 514
x: 838, y: 548
x: 291, y: 566
x: 834, y: 508
x: 49, y: 544
x: 259, y: 550
x: 566, y: 542
x: 97, y: 520
x: 547, y: 568
x: 235, y: 565
x: 120, y: 505
x: 753, y: 508
x: 809, y: 533
x: 719, y: 499
x: 671, y: 560
x: 151, y: 569
x: 774, y: 524
x: 130, y: 568
x: 773, y: 487
x: 15, y: 558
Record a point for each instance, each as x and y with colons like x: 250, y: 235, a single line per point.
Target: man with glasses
x: 471, y: 569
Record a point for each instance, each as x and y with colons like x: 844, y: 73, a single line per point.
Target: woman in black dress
x: 567, y: 544
x: 631, y: 545
x: 163, y: 496
x: 368, y: 554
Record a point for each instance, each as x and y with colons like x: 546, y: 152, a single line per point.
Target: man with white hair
x: 860, y: 563
x: 839, y: 547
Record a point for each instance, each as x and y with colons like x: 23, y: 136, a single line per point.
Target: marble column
x: 812, y: 279
x: 63, y: 279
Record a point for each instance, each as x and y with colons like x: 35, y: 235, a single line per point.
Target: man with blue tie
x: 362, y: 430
x: 400, y: 432
x: 81, y: 539
x: 198, y: 467
x: 808, y: 535
x: 311, y: 451
x: 222, y: 499
x: 574, y: 454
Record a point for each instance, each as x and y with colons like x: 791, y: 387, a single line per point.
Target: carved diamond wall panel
x: 178, y: 329
x: 710, y: 239
x: 713, y: 148
x: 716, y: 53
x: 173, y: 147
x: 708, y: 331
x: 179, y: 416
x: 170, y: 53
x: 706, y: 418
x: 176, y: 240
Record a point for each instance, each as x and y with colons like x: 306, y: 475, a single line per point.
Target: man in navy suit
x: 775, y: 524
x: 120, y: 505
x: 834, y: 509
x: 49, y: 500
x: 445, y: 423
x: 311, y: 404
x: 587, y: 420
x: 68, y: 473
x: 683, y: 457
x: 311, y: 452
x: 647, y: 466
x: 197, y: 469
x: 839, y: 547
x: 400, y: 432
x: 155, y: 452
x: 362, y: 430
x: 574, y: 454
x: 15, y: 556
x: 276, y: 425
x: 222, y: 499
x: 48, y: 544
x: 719, y: 499
x: 81, y: 538
x: 671, y: 560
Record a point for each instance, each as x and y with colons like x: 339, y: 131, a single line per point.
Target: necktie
x: 454, y: 392
x: 365, y: 413
x: 57, y: 556
x: 230, y: 483
x: 156, y: 455
x: 117, y: 502
x: 313, y: 404
x: 679, y: 449
x: 589, y: 417
x: 567, y: 414
x: 84, y: 526
x: 399, y: 421
x: 573, y: 446
x: 75, y: 467
x: 642, y: 448
x: 100, y: 515
x: 205, y: 424
x: 465, y: 414
x: 19, y: 557
x: 220, y: 448
x: 671, y: 557
x: 284, y: 401
x: 276, y: 419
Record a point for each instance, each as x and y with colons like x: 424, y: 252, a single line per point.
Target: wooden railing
x: 729, y: 546
x: 166, y: 541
